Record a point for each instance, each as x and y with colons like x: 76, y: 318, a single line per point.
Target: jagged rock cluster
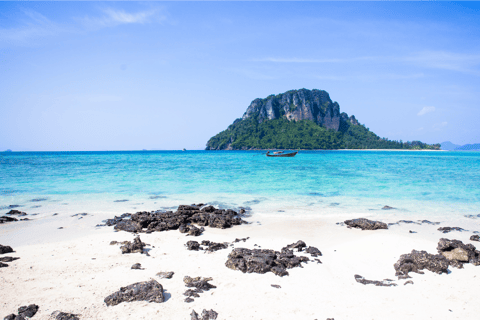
x: 383, y: 283
x: 206, y: 315
x: 458, y: 253
x: 24, y: 312
x: 206, y: 245
x: 150, y: 291
x: 365, y: 224
x: 449, y: 229
x: 133, y: 247
x: 59, y: 315
x: 200, y: 284
x: 450, y: 253
x: 182, y: 219
x: 265, y: 260
x: 3, y: 250
x: 416, y: 261
x: 17, y: 213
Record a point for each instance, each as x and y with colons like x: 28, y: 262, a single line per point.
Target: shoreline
x: 76, y: 274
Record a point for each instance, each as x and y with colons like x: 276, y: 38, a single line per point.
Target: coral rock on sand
x: 449, y: 229
x: 59, y: 315
x: 206, y: 315
x: 5, y: 249
x: 200, y: 284
x: 137, y: 266
x: 416, y: 261
x: 475, y: 237
x: 7, y: 219
x: 17, y: 212
x: 365, y: 224
x: 150, y: 291
x: 133, y: 247
x: 457, y: 253
x: 214, y: 246
x: 383, y: 283
x: 166, y: 275
x: 24, y: 312
x: 193, y: 245
x: 183, y: 219
x: 264, y: 260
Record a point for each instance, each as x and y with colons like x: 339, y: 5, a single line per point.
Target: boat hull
x: 283, y: 155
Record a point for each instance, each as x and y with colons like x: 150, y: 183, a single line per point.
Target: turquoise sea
x: 316, y: 182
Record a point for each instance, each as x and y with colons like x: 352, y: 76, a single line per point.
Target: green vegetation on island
x: 302, y: 119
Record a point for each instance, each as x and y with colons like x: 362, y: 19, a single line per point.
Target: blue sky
x: 169, y: 75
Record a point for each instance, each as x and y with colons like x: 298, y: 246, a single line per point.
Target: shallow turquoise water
x: 350, y: 180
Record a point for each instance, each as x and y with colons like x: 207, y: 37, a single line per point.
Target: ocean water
x: 313, y: 183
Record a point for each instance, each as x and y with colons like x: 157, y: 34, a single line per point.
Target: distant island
x: 302, y: 119
x: 447, y: 145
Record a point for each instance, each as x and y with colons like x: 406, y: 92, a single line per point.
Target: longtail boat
x: 281, y: 154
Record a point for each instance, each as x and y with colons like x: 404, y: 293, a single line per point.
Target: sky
x: 78, y: 76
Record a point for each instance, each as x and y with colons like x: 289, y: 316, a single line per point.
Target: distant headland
x: 302, y: 119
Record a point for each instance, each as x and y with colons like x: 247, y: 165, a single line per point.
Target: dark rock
x: 127, y: 225
x: 183, y: 219
x: 16, y: 212
x: 429, y: 222
x: 365, y: 224
x: 80, y: 214
x: 276, y: 286
x: 383, y: 283
x: 193, y: 293
x: 317, y: 260
x: 263, y: 260
x: 194, y: 231
x: 198, y: 282
x: 7, y: 219
x: 408, y: 282
x: 166, y: 275
x: 8, y: 259
x: 458, y: 253
x: 314, y: 252
x: 3, y: 265
x: 10, y: 317
x: 475, y: 237
x: 188, y: 300
x: 150, y: 291
x: 206, y: 315
x: 5, y: 249
x: 387, y: 208
x: 59, y: 315
x: 416, y: 261
x: 133, y: 247
x: 449, y: 229
x: 183, y: 228
x: 27, y: 311
x: 137, y: 266
x: 209, y: 314
x: 193, y: 245
x: 299, y: 245
x: 214, y: 246
x: 241, y: 239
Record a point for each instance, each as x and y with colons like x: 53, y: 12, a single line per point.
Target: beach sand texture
x: 73, y: 269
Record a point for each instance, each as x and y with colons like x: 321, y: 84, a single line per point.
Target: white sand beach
x: 73, y: 269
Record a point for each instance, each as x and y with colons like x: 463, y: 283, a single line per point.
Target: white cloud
x: 426, y: 110
x: 113, y: 17
x: 34, y: 26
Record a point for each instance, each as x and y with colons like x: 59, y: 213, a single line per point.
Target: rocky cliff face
x: 302, y: 104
